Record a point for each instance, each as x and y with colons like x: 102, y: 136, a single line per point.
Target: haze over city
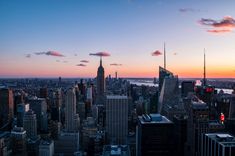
x: 56, y: 38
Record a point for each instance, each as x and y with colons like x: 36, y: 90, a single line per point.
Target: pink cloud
x: 115, y: 64
x: 156, y: 53
x: 105, y: 54
x: 225, y: 25
x: 50, y: 53
x: 81, y: 65
x: 84, y: 61
x: 216, y: 31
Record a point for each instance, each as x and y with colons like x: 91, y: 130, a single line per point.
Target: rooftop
x: 153, y: 119
x: 116, y: 97
x: 116, y: 150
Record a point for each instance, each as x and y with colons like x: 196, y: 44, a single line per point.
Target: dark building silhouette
x: 163, y: 73
x: 100, y: 84
x: 197, y: 124
x: 180, y: 133
x: 6, y: 107
x: 187, y: 87
x: 219, y: 144
x: 154, y: 136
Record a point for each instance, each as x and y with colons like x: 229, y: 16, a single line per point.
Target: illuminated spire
x: 100, y: 60
x: 164, y: 56
x: 204, y: 74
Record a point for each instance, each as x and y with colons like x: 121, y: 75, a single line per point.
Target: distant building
x: 163, y: 73
x: 116, y: 150
x: 21, y: 110
x: 117, y: 119
x: 56, y: 105
x: 46, y: 148
x: 30, y: 124
x: 39, y: 106
x: 155, y: 136
x: 187, y: 87
x: 5, y: 143
x: 72, y: 120
x: 168, y: 101
x: 219, y: 144
x: 6, y: 107
x: 18, y: 135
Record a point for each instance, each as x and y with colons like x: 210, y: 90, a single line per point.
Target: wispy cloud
x: 175, y: 53
x: 81, y: 65
x: 100, y: 54
x: 50, y: 53
x: 28, y: 55
x: 115, y: 64
x: 156, y: 53
x: 75, y: 54
x: 65, y: 61
x: 225, y: 25
x: 57, y: 60
x: 84, y: 61
x: 216, y: 31
x: 185, y: 10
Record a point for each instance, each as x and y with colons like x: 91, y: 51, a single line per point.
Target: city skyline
x: 57, y: 38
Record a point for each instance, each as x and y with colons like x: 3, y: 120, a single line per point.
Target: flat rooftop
x: 116, y: 97
x: 153, y: 119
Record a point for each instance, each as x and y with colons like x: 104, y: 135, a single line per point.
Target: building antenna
x: 164, y: 56
x: 204, y: 74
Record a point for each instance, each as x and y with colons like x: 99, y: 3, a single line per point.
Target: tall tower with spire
x: 204, y: 73
x: 100, y: 82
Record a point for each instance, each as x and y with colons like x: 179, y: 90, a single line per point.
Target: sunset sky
x: 52, y: 38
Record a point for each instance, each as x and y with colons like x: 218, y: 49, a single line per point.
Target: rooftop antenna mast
x: 204, y: 74
x: 164, y: 56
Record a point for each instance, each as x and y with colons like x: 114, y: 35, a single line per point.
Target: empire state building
x: 100, y: 84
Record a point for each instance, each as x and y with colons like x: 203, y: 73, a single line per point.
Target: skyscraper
x: 162, y: 74
x: 117, y: 119
x: 30, y: 124
x: 6, y: 106
x: 39, y: 106
x: 46, y: 148
x: 100, y: 84
x: 219, y: 144
x: 21, y: 110
x: 18, y: 135
x: 71, y: 118
x: 197, y: 124
x: 154, y: 136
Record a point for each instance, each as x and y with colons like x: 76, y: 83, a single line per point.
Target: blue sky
x: 128, y: 30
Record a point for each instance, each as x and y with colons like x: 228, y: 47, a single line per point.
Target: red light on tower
x: 222, y: 117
